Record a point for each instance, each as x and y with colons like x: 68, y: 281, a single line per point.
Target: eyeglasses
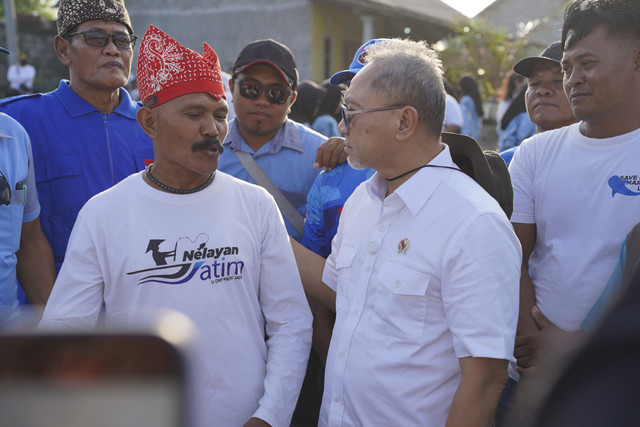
x: 100, y: 39
x: 253, y: 90
x: 346, y: 114
x: 5, y: 190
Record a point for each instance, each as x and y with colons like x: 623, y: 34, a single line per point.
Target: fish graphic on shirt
x: 618, y: 185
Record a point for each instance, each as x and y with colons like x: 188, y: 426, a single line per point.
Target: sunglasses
x: 5, y: 190
x: 346, y: 114
x: 253, y: 90
x: 99, y: 39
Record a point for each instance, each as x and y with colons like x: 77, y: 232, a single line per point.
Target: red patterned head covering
x: 167, y: 70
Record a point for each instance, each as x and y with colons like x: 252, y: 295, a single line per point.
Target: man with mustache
x: 84, y: 134
x: 567, y: 201
x: 183, y: 236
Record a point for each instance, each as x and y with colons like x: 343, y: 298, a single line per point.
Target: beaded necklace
x: 178, y: 190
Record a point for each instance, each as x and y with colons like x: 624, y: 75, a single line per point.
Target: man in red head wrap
x: 182, y: 236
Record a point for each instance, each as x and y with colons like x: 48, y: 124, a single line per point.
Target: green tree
x: 43, y: 8
x: 487, y: 53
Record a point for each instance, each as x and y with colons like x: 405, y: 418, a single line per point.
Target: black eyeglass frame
x: 5, y: 190
x: 346, y: 113
x: 131, y: 39
x: 270, y: 96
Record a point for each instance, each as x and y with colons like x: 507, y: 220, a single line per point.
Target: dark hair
x: 509, y: 86
x: 619, y: 17
x: 448, y: 87
x: 468, y: 86
x: 517, y: 106
x: 304, y: 109
x: 331, y: 100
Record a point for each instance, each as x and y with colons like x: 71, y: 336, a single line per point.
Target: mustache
x: 208, y: 144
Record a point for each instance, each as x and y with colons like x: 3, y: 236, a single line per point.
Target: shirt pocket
x: 401, y: 300
x: 15, y: 213
x: 346, y: 280
x: 60, y: 167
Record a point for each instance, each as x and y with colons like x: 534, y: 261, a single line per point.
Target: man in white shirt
x: 576, y: 188
x: 424, y: 268
x: 185, y: 237
x: 21, y: 76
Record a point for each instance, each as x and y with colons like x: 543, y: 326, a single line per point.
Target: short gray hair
x: 410, y: 73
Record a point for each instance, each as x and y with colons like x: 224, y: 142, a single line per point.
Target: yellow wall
x: 339, y: 25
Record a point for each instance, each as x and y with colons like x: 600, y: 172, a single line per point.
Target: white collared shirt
x: 423, y: 277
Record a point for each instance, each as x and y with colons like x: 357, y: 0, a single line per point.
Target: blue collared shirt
x: 78, y: 152
x: 287, y: 159
x: 16, y: 165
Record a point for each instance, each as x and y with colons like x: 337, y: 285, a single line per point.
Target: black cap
x: 269, y: 52
x: 3, y: 50
x: 552, y: 53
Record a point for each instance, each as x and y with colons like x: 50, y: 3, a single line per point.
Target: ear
x: 231, y: 85
x: 147, y: 120
x: 61, y: 47
x: 407, y: 123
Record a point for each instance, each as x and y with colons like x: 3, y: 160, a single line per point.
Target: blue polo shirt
x: 287, y: 159
x: 78, y: 152
x: 324, y: 205
x: 16, y: 165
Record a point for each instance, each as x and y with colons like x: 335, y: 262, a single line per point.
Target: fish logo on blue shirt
x: 618, y: 185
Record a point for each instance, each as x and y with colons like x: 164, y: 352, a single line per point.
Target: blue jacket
x: 78, y: 152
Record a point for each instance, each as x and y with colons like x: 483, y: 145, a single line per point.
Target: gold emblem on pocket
x: 403, y: 245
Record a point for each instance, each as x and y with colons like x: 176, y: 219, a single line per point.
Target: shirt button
x: 397, y: 283
x: 368, y: 269
x: 381, y: 229
x: 341, y: 355
x: 355, y: 311
x: 372, y: 247
x: 336, y: 399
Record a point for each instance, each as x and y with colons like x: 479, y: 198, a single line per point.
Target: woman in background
x: 471, y: 104
x: 511, y: 83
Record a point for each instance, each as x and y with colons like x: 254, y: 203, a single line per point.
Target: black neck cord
x: 420, y: 167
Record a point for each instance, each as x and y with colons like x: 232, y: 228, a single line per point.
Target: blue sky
x: 468, y: 8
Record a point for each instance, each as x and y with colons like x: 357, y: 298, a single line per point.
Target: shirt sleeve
x: 287, y: 323
x: 32, y: 206
x: 76, y: 298
x: 314, y: 236
x: 522, y: 171
x: 480, y: 288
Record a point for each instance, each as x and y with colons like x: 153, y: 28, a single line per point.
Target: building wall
x: 228, y: 25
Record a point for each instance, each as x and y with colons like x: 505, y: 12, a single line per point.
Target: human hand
x: 256, y: 422
x: 531, y: 349
x: 330, y: 154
